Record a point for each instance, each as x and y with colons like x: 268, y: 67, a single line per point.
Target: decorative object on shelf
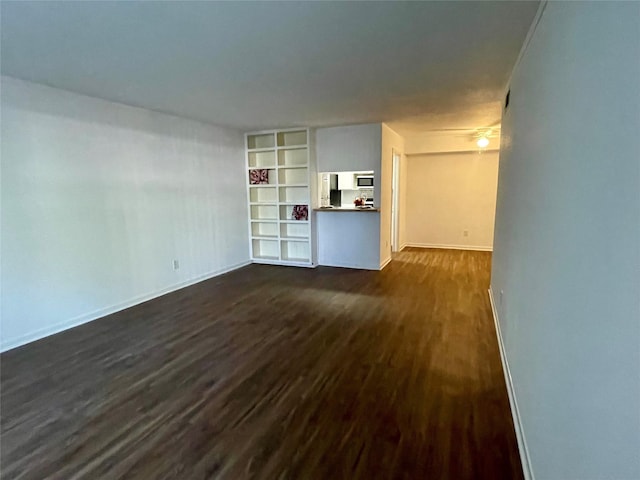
x: 358, y: 202
x: 300, y: 212
x: 258, y: 176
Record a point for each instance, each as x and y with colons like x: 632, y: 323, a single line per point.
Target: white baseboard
x: 385, y: 263
x: 283, y: 263
x: 478, y: 248
x: 96, y: 314
x: 344, y: 265
x: 515, y: 413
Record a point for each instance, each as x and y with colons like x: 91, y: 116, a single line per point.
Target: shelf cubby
x: 295, y: 231
x: 265, y: 249
x: 272, y: 177
x: 263, y: 159
x: 264, y: 212
x: 292, y: 138
x: 293, y: 176
x: 295, y: 251
x: 286, y: 212
x: 260, y: 140
x: 292, y: 157
x: 263, y: 195
x: 299, y: 195
x: 264, y: 229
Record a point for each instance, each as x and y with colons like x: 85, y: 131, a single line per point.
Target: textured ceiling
x: 415, y: 65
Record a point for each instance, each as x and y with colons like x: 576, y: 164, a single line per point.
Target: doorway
x: 395, y: 202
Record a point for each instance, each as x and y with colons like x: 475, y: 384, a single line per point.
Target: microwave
x: 364, y: 181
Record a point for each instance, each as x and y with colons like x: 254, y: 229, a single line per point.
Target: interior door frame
x: 395, y: 200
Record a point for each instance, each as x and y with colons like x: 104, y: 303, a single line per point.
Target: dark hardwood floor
x: 273, y: 372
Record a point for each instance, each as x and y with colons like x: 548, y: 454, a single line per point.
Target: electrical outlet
x: 465, y: 233
x: 176, y: 264
x: 501, y: 295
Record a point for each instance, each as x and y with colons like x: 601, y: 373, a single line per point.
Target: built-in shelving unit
x: 276, y: 235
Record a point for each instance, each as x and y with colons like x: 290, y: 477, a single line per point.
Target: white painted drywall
x: 449, y: 193
x: 567, y: 241
x: 391, y: 142
x: 348, y: 239
x: 359, y: 147
x: 99, y: 198
x: 263, y: 65
x: 351, y: 148
x: 446, y: 142
x: 402, y: 224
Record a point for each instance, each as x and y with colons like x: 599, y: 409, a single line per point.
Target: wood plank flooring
x: 273, y: 372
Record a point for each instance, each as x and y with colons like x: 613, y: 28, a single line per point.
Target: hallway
x: 274, y: 372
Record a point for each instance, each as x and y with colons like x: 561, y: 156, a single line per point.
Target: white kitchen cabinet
x: 346, y: 181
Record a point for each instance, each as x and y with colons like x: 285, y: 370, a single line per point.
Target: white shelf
x: 292, y: 138
x: 296, y: 263
x: 262, y: 159
x: 293, y: 157
x: 268, y: 258
x: 294, y: 260
x: 265, y: 248
x: 294, y: 250
x: 292, y: 175
x: 291, y: 147
x: 261, y: 141
x: 286, y: 211
x: 272, y: 177
x: 263, y: 195
x: 265, y: 149
x: 296, y: 195
x: 264, y: 229
x: 264, y: 212
x: 275, y: 237
x: 293, y: 231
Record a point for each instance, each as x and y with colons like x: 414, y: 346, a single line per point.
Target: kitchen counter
x: 349, y: 237
x: 346, y: 209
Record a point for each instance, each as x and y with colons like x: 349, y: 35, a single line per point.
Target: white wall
x: 445, y: 142
x: 359, y: 148
x: 567, y: 241
x: 348, y: 239
x: 449, y: 193
x: 391, y: 142
x: 404, y: 204
x: 351, y: 148
x: 98, y: 199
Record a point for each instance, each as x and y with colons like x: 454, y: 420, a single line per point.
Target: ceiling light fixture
x: 483, y: 142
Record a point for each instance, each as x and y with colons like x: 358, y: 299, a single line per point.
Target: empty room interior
x: 320, y: 240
